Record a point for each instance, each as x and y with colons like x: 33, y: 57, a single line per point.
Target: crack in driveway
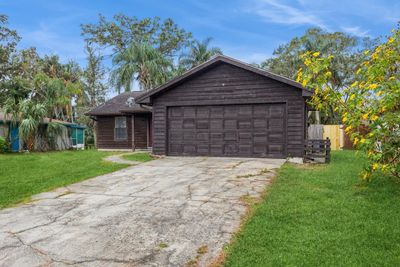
x: 120, y: 218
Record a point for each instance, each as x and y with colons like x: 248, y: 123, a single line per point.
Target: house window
x: 121, y: 132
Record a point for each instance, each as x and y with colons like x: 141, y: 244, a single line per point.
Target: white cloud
x: 356, y: 31
x: 276, y: 12
x: 48, y: 41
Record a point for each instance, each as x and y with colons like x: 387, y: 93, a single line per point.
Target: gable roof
x: 143, y: 98
x: 118, y: 105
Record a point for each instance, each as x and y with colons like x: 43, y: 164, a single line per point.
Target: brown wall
x: 105, y: 133
x: 227, y: 84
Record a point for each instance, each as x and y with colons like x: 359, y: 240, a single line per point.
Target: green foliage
x: 8, y: 42
x: 199, y: 52
x: 346, y: 50
x: 141, y: 62
x: 94, y: 90
x: 4, y: 146
x: 47, y: 171
x: 371, y: 102
x: 322, y: 216
x: 38, y: 88
x: 165, y: 36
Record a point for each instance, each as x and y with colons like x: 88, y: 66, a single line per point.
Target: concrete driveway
x: 168, y: 212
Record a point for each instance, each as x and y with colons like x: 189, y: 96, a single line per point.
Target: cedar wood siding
x: 228, y: 84
x: 105, y: 133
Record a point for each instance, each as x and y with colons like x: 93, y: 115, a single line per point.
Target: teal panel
x: 77, y: 136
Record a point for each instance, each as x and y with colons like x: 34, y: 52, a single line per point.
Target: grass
x: 23, y: 175
x: 140, y: 157
x: 322, y: 216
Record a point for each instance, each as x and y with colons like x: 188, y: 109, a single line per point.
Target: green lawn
x: 140, y: 157
x: 23, y: 175
x: 323, y: 216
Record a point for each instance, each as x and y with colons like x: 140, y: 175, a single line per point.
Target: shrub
x: 372, y: 101
x: 3, y: 145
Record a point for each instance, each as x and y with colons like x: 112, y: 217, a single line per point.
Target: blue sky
x: 248, y: 30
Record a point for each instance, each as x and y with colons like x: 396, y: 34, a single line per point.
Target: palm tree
x: 199, y: 52
x: 139, y: 62
x: 29, y: 115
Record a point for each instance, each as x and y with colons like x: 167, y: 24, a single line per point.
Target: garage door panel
x: 230, y: 136
x: 189, y: 124
x: 203, y: 112
x: 275, y: 150
x: 276, y: 138
x: 175, y: 149
x: 217, y: 138
x: 216, y: 124
x: 244, y: 124
x: 277, y: 124
x: 203, y: 137
x: 231, y: 111
x: 230, y: 124
x: 276, y: 111
x: 245, y: 111
x: 189, y: 136
x: 257, y: 130
x: 189, y: 112
x: 203, y: 149
x: 260, y: 148
x: 260, y: 111
x: 260, y: 123
x: 245, y: 149
x: 175, y: 136
x: 189, y: 149
x: 203, y: 124
x: 260, y: 138
x: 245, y: 136
x: 230, y: 149
x: 216, y: 150
x: 176, y: 113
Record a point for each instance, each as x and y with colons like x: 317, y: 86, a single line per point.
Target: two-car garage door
x: 253, y: 130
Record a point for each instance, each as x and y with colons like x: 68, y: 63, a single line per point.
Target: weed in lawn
x: 260, y: 173
x: 163, y: 245
x: 195, y: 262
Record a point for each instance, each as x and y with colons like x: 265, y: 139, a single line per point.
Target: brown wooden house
x: 225, y: 107
x: 122, y: 124
x: 222, y: 107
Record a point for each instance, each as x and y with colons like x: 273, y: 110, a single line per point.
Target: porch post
x: 133, y: 132
x: 148, y: 131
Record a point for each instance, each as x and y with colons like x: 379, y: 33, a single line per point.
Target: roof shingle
x: 119, y: 105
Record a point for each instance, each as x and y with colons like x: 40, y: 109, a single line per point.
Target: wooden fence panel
x: 333, y: 132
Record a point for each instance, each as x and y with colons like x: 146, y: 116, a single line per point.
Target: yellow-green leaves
x: 369, y: 106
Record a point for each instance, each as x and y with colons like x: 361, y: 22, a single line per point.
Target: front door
x: 141, y: 130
